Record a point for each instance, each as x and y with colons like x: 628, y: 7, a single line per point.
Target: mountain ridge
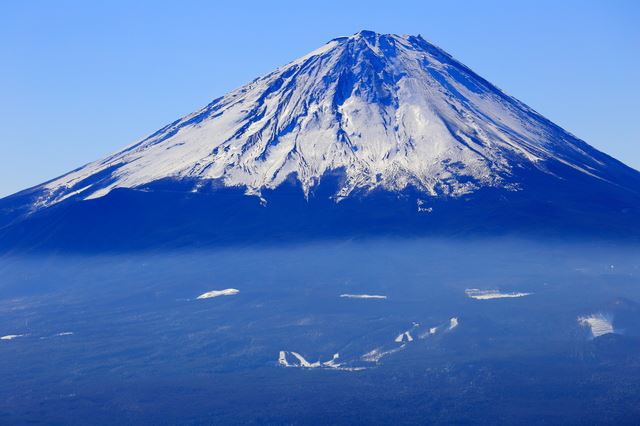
x: 386, y: 113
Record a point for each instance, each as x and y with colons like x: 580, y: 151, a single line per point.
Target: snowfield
x: 599, y: 324
x: 374, y: 356
x: 453, y: 323
x: 11, y: 336
x: 217, y: 293
x: 391, y: 111
x: 362, y: 296
x: 295, y: 360
x: 406, y: 336
x: 478, y: 294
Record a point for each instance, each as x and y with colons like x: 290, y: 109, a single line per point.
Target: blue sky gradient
x: 80, y: 80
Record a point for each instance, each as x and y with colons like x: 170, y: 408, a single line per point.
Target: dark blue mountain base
x: 143, y: 350
x: 166, y: 214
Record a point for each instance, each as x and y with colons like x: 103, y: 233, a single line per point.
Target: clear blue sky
x: 81, y: 79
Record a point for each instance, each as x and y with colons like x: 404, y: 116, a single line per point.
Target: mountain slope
x: 363, y: 119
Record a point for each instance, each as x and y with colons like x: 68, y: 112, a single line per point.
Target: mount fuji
x: 369, y: 135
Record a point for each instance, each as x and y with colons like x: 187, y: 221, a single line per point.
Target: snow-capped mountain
x: 386, y: 113
x: 391, y: 110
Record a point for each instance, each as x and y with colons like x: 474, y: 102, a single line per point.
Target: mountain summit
x: 354, y: 125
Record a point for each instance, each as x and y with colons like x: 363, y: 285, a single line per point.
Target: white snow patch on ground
x: 333, y: 362
x: 299, y: 361
x: 61, y: 334
x: 400, y: 343
x: 598, y: 323
x: 406, y: 336
x: 478, y: 294
x: 377, y: 354
x: 363, y: 296
x: 453, y: 323
x: 304, y: 362
x: 11, y: 336
x: 216, y: 293
x: 439, y: 329
x: 282, y: 359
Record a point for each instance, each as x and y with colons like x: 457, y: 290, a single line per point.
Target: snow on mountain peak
x: 389, y: 111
